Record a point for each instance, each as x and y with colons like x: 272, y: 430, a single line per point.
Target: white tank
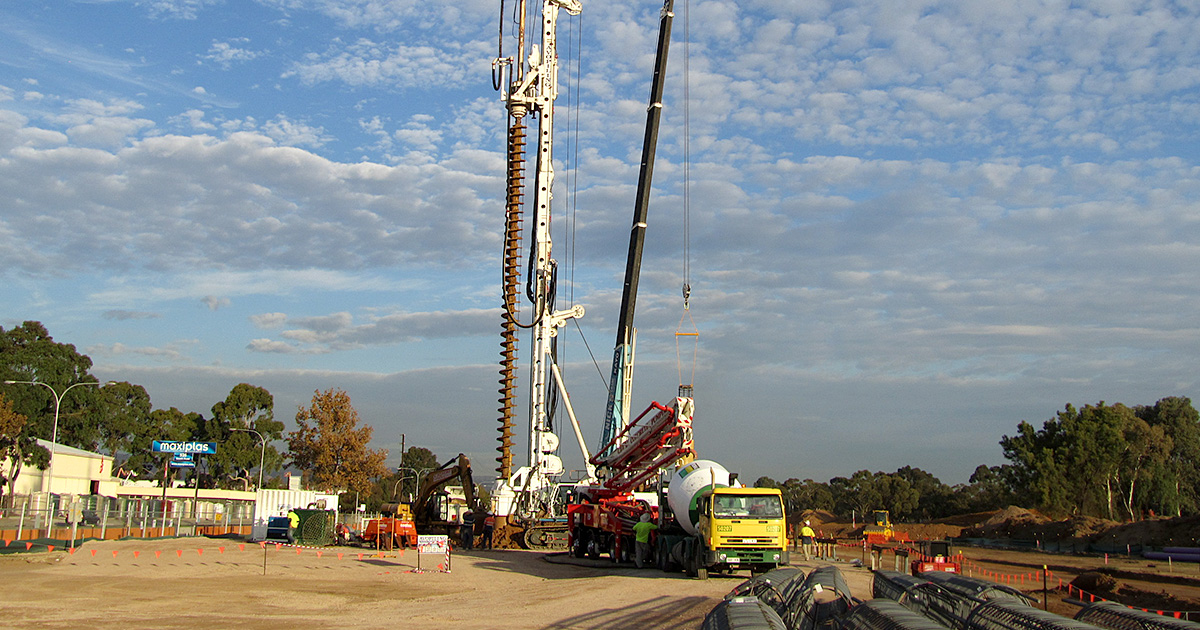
x: 688, y: 483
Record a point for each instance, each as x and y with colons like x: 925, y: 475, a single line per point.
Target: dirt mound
x: 1093, y: 582
x: 1007, y: 515
x: 1011, y: 522
x: 974, y: 519
x: 1162, y: 600
x: 824, y: 522
x: 929, y: 531
x: 1022, y: 524
x: 1153, y: 532
x: 818, y: 517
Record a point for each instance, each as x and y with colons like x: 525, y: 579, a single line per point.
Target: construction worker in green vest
x: 293, y: 523
x: 641, y: 537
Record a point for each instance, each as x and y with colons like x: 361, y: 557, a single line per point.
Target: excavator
x: 433, y: 511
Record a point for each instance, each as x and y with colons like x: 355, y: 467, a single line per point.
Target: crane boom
x: 616, y: 414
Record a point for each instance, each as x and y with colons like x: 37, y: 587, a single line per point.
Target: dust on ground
x: 203, y: 582
x: 1122, y: 576
x: 1022, y: 524
x: 193, y: 582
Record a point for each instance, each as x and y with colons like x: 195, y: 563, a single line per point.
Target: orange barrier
x: 320, y: 552
x: 116, y: 533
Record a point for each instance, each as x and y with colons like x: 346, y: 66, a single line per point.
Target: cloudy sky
x: 912, y: 224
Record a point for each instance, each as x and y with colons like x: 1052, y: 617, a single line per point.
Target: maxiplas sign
x: 195, y: 448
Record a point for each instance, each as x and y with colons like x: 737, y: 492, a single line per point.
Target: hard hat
x: 807, y: 523
x: 645, y: 517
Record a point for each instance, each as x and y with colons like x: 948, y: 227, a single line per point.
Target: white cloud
x: 179, y: 204
x: 119, y: 314
x: 176, y: 9
x: 965, y: 211
x: 294, y: 134
x: 193, y: 119
x: 271, y: 347
x: 169, y: 353
x: 337, y: 331
x: 392, y: 15
x: 108, y: 132
x: 228, y: 52
x: 214, y: 302
x: 269, y: 320
x: 368, y: 63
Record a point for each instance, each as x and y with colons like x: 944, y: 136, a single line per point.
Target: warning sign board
x: 438, y: 547
x: 432, y: 544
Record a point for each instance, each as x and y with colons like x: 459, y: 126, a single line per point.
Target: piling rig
x: 527, y: 501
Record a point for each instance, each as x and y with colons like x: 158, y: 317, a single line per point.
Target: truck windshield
x: 758, y: 506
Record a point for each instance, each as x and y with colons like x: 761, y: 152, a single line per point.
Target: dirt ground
x: 1130, y: 580
x: 1122, y: 577
x: 191, y: 583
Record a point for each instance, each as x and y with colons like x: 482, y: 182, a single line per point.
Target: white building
x: 75, y: 471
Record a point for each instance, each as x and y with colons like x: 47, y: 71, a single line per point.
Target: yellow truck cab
x: 739, y: 528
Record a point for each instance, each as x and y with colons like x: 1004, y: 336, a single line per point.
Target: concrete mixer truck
x: 713, y: 523
x: 708, y: 522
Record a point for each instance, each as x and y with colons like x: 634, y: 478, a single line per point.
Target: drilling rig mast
x: 522, y: 499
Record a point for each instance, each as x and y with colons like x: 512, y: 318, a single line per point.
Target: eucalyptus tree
x: 243, y: 425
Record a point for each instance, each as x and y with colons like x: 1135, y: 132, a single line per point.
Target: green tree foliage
x: 400, y: 486
x: 29, y: 353
x: 415, y: 463
x: 989, y: 489
x: 766, y: 482
x: 124, y: 416
x: 1174, y: 482
x: 329, y: 447
x: 898, y: 495
x: 239, y: 452
x: 805, y: 495
x: 856, y: 494
x: 1107, y: 460
x: 170, y: 425
x: 13, y: 454
x: 934, y: 499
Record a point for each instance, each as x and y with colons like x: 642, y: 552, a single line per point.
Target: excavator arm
x: 456, y: 468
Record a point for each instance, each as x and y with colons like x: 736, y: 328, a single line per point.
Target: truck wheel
x: 593, y: 546
x: 579, y: 549
x: 698, y: 559
x: 628, y: 548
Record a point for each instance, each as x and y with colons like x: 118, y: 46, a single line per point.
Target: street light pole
x: 262, y: 456
x: 417, y: 474
x: 49, y: 478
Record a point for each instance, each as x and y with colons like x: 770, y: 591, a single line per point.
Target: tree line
x: 328, y: 447
x: 1108, y: 461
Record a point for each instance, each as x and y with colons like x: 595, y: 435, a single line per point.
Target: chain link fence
x: 63, y: 518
